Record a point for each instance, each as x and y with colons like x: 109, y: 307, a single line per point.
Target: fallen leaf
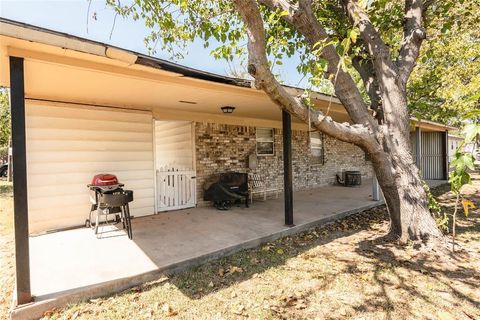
x: 133, y: 297
x: 210, y: 285
x: 239, y: 310
x: 221, y: 272
x: 234, y: 269
x: 443, y: 315
x: 280, y: 251
x: 50, y: 312
x: 169, y: 310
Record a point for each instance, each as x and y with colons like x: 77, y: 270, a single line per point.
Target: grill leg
x: 88, y: 223
x: 97, y: 221
x: 122, y: 217
x: 128, y: 221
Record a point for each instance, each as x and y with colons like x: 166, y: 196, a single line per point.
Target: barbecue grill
x: 227, y: 189
x: 108, y: 197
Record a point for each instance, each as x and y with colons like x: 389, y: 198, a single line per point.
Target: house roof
x: 73, y: 50
x: 52, y: 37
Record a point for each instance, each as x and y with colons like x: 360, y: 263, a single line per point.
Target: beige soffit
x: 128, y: 58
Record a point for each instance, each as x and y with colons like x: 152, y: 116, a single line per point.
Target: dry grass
x: 6, y: 247
x: 339, y: 271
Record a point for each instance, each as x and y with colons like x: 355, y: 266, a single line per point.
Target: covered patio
x: 171, y: 241
x: 97, y: 111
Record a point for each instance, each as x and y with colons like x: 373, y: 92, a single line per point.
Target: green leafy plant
x: 438, y: 214
x: 4, y: 117
x: 462, y: 163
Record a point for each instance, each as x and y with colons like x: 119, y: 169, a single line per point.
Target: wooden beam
x: 19, y: 164
x: 287, y: 167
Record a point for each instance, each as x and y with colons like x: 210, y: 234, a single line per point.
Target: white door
x: 174, y: 158
x: 175, y: 188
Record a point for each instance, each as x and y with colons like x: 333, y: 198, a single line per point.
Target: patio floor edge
x: 37, y: 308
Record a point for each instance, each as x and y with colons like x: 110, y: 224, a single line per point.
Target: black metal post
x: 287, y: 167
x: 446, y: 160
x: 19, y: 164
x: 418, y: 147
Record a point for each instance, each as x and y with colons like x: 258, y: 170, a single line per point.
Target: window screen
x: 316, y: 147
x: 265, y: 141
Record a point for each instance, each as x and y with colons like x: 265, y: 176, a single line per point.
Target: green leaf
x: 354, y: 34
x: 471, y: 131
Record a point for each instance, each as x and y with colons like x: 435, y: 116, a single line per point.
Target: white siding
x: 174, y: 145
x: 67, y: 145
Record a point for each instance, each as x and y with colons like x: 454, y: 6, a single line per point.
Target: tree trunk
x: 387, y: 143
x: 408, y: 208
x: 404, y: 194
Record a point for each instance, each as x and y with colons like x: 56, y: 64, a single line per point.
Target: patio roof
x: 64, y: 68
x: 61, y: 67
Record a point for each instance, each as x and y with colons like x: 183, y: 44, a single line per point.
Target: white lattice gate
x: 176, y: 188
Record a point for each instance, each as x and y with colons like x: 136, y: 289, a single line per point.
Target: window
x: 265, y: 141
x: 316, y: 147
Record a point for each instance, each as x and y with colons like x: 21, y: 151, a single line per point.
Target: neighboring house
x: 454, y: 143
x: 91, y: 108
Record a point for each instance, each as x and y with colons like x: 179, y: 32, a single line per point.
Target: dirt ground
x: 339, y: 271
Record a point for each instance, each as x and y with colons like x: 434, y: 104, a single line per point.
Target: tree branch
x: 258, y: 67
x: 301, y: 16
x: 413, y: 35
x: 367, y: 72
x: 377, y: 49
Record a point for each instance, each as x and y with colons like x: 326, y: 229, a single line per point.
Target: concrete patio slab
x: 73, y: 265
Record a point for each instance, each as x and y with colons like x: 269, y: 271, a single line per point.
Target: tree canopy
x: 445, y: 85
x: 4, y: 118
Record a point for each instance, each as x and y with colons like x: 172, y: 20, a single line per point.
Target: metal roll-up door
x: 432, y: 166
x: 68, y: 144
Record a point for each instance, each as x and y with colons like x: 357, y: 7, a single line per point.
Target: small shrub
x: 440, y: 217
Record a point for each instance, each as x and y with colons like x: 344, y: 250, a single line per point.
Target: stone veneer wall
x: 221, y: 148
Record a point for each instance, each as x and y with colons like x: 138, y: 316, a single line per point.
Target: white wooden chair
x: 257, y: 185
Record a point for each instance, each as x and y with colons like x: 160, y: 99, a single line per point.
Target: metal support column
x: 287, y: 167
x: 446, y: 160
x: 375, y: 189
x: 418, y: 147
x: 19, y: 164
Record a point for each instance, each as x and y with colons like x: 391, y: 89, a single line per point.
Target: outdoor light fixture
x: 227, y: 109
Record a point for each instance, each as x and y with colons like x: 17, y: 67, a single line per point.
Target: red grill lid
x: 104, y: 179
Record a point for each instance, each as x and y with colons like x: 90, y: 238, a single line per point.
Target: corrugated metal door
x: 432, y: 166
x: 68, y: 144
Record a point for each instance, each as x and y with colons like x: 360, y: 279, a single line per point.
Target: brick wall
x: 221, y: 148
